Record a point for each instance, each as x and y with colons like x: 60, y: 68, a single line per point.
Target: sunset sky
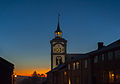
x: 27, y: 26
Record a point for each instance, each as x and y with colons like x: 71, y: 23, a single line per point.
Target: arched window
x: 73, y: 66
x: 58, y: 60
x: 77, y: 65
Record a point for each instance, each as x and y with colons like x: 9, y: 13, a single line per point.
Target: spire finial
x: 58, y: 17
x: 58, y: 27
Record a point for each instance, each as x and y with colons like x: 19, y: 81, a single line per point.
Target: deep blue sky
x: 27, y: 26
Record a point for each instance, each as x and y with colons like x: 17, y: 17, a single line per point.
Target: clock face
x: 58, y: 48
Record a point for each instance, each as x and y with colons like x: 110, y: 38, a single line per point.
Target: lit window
x: 117, y: 54
x: 86, y: 63
x: 69, y: 81
x: 110, y: 55
x: 65, y: 73
x: 103, y: 57
x: 77, y: 65
x: 111, y: 77
x: 68, y: 66
x: 95, y: 59
x: 73, y: 66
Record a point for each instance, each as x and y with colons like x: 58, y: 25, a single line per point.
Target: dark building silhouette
x: 101, y: 66
x: 6, y: 72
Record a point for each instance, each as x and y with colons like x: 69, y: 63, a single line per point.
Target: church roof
x: 73, y: 57
x: 59, y: 67
x: 113, y: 45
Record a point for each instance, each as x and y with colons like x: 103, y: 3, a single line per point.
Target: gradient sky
x: 27, y: 26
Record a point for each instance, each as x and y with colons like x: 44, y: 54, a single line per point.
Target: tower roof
x: 58, y: 26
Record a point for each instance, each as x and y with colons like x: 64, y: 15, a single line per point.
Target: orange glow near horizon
x: 30, y: 72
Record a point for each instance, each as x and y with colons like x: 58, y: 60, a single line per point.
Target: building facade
x: 100, y: 66
x: 6, y: 72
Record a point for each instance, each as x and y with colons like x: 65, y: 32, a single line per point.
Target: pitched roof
x: 59, y: 67
x: 5, y: 62
x: 113, y: 45
x: 74, y: 57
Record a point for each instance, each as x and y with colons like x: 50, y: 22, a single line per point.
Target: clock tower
x: 58, y: 48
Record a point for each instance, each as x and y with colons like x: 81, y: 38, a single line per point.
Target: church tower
x: 58, y: 48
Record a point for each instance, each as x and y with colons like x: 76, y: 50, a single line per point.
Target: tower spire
x: 58, y: 32
x: 58, y: 17
x: 58, y: 26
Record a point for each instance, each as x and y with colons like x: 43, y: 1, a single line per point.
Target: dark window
x: 117, y: 54
x: 72, y: 57
x: 77, y: 80
x: 95, y: 59
x: 103, y: 57
x: 105, y: 77
x: 110, y: 55
x: 86, y: 63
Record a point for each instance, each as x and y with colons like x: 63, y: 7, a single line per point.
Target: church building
x: 100, y: 66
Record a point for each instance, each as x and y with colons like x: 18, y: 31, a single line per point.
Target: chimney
x: 100, y: 45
